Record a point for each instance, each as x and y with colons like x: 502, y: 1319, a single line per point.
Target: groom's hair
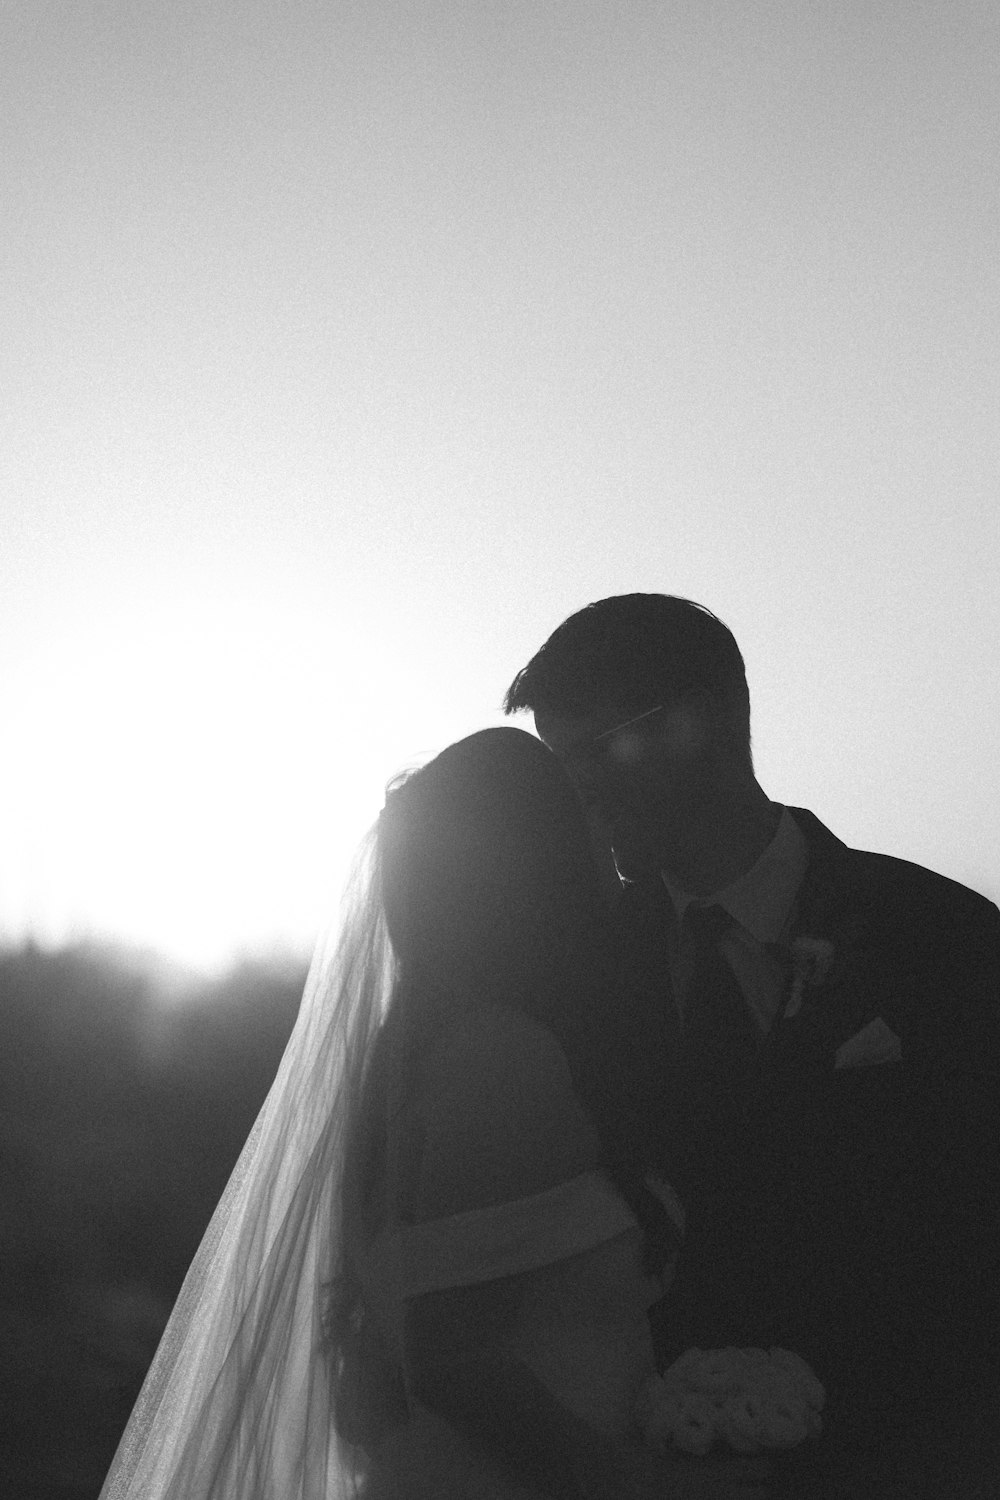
x: 633, y: 652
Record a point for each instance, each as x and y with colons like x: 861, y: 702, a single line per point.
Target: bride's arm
x: 518, y: 1352
x: 463, y: 1364
x: 489, y: 1395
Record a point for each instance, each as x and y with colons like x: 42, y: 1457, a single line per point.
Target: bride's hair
x: 476, y: 870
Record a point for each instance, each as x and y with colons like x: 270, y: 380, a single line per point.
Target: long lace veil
x: 238, y: 1402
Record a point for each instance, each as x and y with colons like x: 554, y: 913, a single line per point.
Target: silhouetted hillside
x: 122, y: 1117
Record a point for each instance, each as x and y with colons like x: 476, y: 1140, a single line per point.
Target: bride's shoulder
x: 498, y: 1114
x: 484, y: 1036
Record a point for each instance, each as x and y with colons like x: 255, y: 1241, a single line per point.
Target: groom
x: 805, y: 1040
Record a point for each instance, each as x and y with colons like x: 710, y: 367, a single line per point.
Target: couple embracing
x: 611, y: 1058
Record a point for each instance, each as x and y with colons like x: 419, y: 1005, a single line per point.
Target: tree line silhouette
x: 122, y: 1116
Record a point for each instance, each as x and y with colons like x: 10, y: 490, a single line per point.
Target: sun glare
x: 194, y: 784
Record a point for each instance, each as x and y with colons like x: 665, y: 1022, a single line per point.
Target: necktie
x: 711, y: 1160
x: 720, y: 1035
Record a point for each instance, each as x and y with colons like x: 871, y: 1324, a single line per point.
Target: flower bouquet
x: 747, y: 1399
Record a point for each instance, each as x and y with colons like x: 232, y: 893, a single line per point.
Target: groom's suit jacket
x: 846, y: 1203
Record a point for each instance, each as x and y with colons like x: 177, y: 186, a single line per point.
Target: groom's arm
x: 959, y: 1183
x: 971, y: 1079
x: 949, y: 1202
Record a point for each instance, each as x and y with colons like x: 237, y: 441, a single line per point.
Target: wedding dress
x: 497, y: 1174
x: 492, y: 1171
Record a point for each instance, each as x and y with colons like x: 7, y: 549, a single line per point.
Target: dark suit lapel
x: 832, y: 907
x: 641, y: 1047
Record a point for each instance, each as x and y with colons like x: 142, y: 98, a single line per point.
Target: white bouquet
x: 747, y: 1398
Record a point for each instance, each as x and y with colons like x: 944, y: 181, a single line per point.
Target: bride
x: 425, y: 1279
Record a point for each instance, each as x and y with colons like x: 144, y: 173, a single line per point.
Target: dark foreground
x: 121, y: 1119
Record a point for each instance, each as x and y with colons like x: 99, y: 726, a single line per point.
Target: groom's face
x: 635, y: 773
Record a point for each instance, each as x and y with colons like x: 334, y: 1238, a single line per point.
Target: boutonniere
x: 809, y: 961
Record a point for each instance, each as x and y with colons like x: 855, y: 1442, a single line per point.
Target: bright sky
x: 348, y: 347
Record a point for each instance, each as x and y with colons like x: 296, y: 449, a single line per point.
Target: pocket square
x: 874, y: 1043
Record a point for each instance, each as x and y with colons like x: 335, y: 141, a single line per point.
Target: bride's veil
x: 238, y: 1402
